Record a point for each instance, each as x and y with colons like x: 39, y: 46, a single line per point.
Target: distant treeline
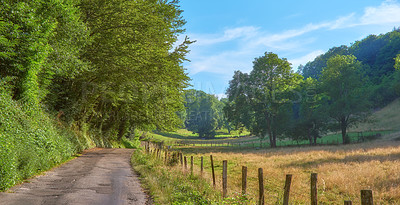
x: 377, y: 55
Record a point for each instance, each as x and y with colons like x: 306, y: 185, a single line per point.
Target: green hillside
x: 386, y: 118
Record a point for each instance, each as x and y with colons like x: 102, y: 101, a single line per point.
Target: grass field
x: 342, y: 171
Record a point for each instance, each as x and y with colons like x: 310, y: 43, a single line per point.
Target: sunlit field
x: 342, y: 171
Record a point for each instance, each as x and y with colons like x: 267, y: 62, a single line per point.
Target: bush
x: 30, y: 141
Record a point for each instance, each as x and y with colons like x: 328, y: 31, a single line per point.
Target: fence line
x: 155, y: 150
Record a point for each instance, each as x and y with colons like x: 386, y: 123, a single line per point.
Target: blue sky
x: 231, y: 33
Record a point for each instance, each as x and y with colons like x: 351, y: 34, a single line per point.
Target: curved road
x: 99, y: 176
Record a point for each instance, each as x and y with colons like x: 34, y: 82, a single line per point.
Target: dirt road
x: 99, y: 176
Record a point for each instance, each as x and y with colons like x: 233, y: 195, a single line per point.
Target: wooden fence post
x: 185, y: 162
x: 166, y: 156
x: 348, y: 203
x: 366, y: 197
x: 181, y: 158
x: 191, y: 164
x: 288, y: 182
x: 314, y: 191
x: 201, y: 165
x: 224, y: 178
x: 244, y: 179
x: 212, y: 168
x: 260, y: 187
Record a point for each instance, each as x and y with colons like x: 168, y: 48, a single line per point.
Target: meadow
x: 342, y: 171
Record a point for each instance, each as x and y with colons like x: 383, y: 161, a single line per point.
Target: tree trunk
x: 271, y: 139
x: 121, y: 129
x: 272, y: 142
x: 343, y: 126
x: 274, y: 138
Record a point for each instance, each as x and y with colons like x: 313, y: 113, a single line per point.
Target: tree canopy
x: 110, y: 66
x: 344, y: 86
x: 261, y: 101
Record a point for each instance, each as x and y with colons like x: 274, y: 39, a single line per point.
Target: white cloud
x: 249, y: 42
x: 387, y: 12
x: 228, y: 35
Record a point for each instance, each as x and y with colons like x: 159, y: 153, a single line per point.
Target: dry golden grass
x: 342, y: 171
x: 386, y: 118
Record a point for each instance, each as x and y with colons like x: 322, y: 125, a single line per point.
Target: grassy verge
x: 167, y: 184
x: 31, y: 141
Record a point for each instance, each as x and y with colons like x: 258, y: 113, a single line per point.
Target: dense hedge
x: 30, y: 143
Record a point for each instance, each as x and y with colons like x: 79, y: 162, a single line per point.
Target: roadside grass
x: 168, y: 185
x: 342, y: 171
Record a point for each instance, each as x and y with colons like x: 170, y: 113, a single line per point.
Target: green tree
x: 202, y: 113
x: 344, y: 86
x: 310, y: 120
x: 39, y: 39
x: 262, y: 100
x: 397, y: 62
x: 135, y: 77
x: 271, y: 82
x: 313, y: 69
x: 237, y: 109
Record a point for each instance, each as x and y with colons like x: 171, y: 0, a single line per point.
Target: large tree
x: 135, y: 77
x: 271, y: 81
x: 237, y: 109
x: 345, y: 88
x: 202, y: 113
x: 40, y: 39
x: 266, y: 96
x: 309, y: 119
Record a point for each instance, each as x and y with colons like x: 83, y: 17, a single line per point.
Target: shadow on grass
x: 348, y: 159
x: 188, y: 137
x: 175, y: 135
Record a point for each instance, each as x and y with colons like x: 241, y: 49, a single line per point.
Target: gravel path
x: 99, y: 176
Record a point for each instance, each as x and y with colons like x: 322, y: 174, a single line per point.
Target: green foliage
x: 310, y: 118
x: 262, y: 100
x: 104, y: 68
x: 30, y: 26
x: 30, y: 143
x: 203, y: 113
x: 135, y: 80
x: 314, y: 68
x: 344, y: 86
x: 377, y: 55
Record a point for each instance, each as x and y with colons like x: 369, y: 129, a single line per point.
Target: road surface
x: 99, y: 176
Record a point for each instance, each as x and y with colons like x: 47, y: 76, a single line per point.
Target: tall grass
x: 167, y: 183
x: 342, y: 171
